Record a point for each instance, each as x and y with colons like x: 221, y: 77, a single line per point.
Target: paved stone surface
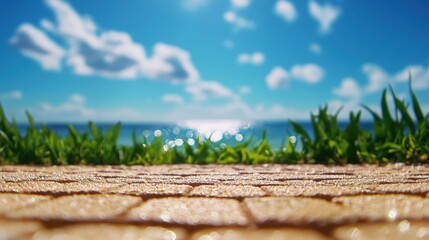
x: 50, y: 187
x: 110, y: 231
x: 152, y: 190
x: 384, y: 231
x: 77, y: 208
x: 317, y: 190
x: 10, y: 202
x: 215, y: 202
x: 190, y: 211
x: 230, y: 191
x: 295, y: 211
x: 266, y: 234
x: 386, y: 207
x: 18, y: 229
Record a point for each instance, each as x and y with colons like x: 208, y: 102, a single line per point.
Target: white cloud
x: 237, y: 22
x: 325, y: 15
x: 240, y: 3
x: 279, y: 112
x: 194, y: 5
x: 310, y: 73
x: 377, y: 77
x: 277, y: 78
x: 349, y: 88
x: 351, y: 105
x: 228, y: 43
x: 35, y: 44
x: 201, y: 91
x: 15, y: 95
x: 172, y: 98
x: 315, y: 48
x: 286, y: 10
x: 73, y: 107
x: 256, y: 58
x: 93, y: 51
x: 419, y: 75
x: 245, y: 90
x: 170, y: 63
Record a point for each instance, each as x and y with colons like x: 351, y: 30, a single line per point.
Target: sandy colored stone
x: 295, y: 211
x: 110, y: 231
x: 142, y: 189
x: 316, y: 190
x: 51, y: 187
x: 227, y: 191
x: 11, y: 201
x: 266, y: 234
x: 412, y: 188
x: 384, y: 231
x: 12, y: 230
x: 251, y: 182
x: 190, y: 211
x: 386, y: 207
x: 78, y: 207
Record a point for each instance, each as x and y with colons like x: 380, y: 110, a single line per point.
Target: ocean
x: 228, y: 132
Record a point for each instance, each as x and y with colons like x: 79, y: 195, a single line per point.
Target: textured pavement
x: 213, y: 202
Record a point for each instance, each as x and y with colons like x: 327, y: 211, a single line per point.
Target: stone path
x: 214, y: 202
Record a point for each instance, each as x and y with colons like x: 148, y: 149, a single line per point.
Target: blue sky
x: 145, y: 61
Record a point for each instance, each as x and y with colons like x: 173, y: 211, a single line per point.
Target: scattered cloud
x: 74, y: 109
x: 278, y: 112
x: 256, y: 58
x: 170, y: 63
x: 377, y: 77
x: 349, y: 88
x: 277, y: 78
x: 350, y: 105
x: 74, y: 106
x: 203, y: 90
x: 315, y: 48
x: 419, y: 74
x: 310, y: 73
x: 240, y: 3
x: 194, y: 5
x: 236, y: 21
x: 324, y: 14
x: 94, y: 51
x: 244, y: 90
x: 172, y: 98
x: 35, y: 44
x: 228, y: 43
x: 13, y: 95
x: 286, y: 10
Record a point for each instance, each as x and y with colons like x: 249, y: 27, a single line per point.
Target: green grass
x: 396, y: 137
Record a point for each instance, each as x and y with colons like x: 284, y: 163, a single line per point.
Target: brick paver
x: 77, y: 208
x: 110, y: 231
x: 215, y: 202
x: 295, y: 211
x: 190, y: 211
x: 230, y: 191
x: 407, y: 230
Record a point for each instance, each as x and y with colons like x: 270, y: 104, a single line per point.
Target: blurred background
x: 237, y: 63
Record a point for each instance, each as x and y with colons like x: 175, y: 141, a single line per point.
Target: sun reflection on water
x: 216, y: 130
